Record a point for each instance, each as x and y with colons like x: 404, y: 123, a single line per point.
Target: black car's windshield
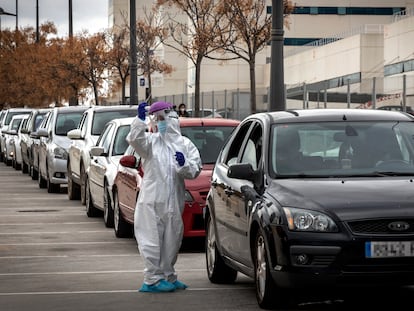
x: 342, y: 149
x: 208, y: 140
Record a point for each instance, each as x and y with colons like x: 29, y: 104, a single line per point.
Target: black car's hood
x: 354, y: 198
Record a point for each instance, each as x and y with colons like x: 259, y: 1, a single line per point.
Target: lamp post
x: 277, y: 85
x: 133, y: 96
x: 70, y: 19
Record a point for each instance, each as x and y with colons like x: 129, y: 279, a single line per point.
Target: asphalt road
x: 53, y: 257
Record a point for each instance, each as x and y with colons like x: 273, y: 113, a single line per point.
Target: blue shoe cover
x: 159, y: 287
x: 179, y: 285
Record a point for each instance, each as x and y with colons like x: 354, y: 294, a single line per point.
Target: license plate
x: 387, y: 249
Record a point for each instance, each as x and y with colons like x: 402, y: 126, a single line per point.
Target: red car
x: 209, y: 135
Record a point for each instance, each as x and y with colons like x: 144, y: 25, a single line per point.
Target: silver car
x: 103, y: 167
x: 54, y: 145
x: 26, y: 142
x: 4, y: 125
x: 85, y: 136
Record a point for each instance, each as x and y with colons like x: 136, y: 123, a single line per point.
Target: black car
x: 313, y: 198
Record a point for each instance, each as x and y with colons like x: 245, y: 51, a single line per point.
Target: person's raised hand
x: 180, y: 158
x: 142, y: 111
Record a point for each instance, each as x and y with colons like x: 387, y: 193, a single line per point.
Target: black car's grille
x: 382, y: 226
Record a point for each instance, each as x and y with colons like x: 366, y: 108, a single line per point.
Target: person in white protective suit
x: 167, y: 159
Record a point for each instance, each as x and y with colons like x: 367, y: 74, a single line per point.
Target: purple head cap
x: 157, y: 106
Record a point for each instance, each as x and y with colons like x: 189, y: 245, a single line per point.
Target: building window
x: 314, y: 10
x: 347, y: 10
x: 341, y: 11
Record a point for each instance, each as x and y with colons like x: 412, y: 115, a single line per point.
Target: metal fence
x: 366, y: 93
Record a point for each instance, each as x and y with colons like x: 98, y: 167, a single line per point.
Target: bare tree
x: 150, y: 35
x: 248, y: 33
x: 193, y: 31
x: 94, y: 60
x: 118, y: 59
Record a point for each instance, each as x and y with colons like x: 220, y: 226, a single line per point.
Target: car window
x: 67, y: 121
x: 335, y: 149
x: 84, y: 123
x: 13, y: 113
x: 231, y: 152
x: 120, y: 143
x: 208, y: 140
x: 102, y: 117
x: 252, y: 153
x: 23, y: 124
x: 104, y: 140
x: 38, y: 120
x: 15, y: 124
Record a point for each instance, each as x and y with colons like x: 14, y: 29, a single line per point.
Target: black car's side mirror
x: 246, y: 171
x: 241, y: 171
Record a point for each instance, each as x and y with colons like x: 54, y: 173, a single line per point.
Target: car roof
x: 113, y: 107
x: 19, y: 116
x: 325, y: 115
x: 123, y: 121
x: 185, y: 122
x: 68, y: 109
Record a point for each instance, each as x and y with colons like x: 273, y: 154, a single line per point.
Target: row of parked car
x: 297, y: 199
x: 84, y: 148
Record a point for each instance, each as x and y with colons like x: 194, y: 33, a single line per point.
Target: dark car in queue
x: 304, y: 199
x: 208, y: 134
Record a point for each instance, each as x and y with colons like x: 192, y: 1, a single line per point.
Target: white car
x: 103, y: 167
x: 12, y: 154
x: 85, y: 136
x: 4, y: 126
x: 54, y: 145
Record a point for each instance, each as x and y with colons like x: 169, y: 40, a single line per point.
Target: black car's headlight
x: 308, y: 220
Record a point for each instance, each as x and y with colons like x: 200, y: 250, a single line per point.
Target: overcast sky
x: 87, y: 14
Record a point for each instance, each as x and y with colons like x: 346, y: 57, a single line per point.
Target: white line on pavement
x: 120, y: 291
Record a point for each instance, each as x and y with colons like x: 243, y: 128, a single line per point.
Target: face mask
x: 162, y: 126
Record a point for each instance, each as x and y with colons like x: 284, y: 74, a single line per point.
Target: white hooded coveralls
x: 158, y: 220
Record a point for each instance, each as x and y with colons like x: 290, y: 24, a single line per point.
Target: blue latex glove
x: 142, y: 111
x: 180, y: 158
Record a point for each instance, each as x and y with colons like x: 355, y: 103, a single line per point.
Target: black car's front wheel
x: 268, y: 295
x: 217, y: 271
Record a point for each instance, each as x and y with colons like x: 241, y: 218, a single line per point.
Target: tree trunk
x: 196, y: 108
x: 123, y: 85
x: 252, y: 64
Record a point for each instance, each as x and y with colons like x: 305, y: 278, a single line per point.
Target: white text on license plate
x: 386, y: 249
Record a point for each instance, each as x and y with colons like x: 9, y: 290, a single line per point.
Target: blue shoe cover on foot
x: 159, y: 287
x: 179, y: 285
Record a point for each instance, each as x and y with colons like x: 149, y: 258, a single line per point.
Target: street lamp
x: 3, y: 12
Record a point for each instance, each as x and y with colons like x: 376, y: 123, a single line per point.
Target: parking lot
x: 53, y: 257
